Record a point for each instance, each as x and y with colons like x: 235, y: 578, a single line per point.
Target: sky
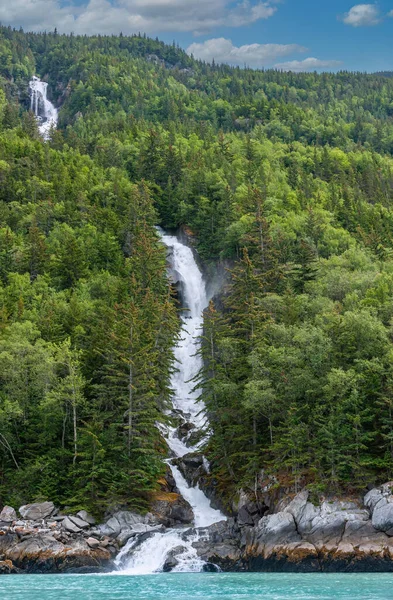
x: 298, y: 35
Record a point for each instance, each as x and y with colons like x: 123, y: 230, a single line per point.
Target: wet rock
x: 8, y: 515
x: 184, y: 430
x: 37, y: 511
x: 171, y: 560
x: 137, y: 529
x: 7, y: 567
x: 172, y: 509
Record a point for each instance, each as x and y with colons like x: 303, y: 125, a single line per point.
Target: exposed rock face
x: 380, y: 503
x: 43, y: 553
x: 70, y: 526
x: 172, y: 509
x: 193, y: 467
x: 338, y: 535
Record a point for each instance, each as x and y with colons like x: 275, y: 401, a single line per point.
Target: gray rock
x: 297, y: 506
x: 382, y: 517
x: 172, y: 511
x: 380, y: 503
x: 171, y: 560
x: 279, y: 527
x: 372, y: 498
x: 244, y: 517
x: 70, y: 526
x: 79, y: 522
x: 92, y: 542
x: 137, y: 529
x: 85, y: 516
x: 8, y: 514
x: 37, y: 511
x: 121, y: 521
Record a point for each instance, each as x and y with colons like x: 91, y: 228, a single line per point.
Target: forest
x: 286, y: 182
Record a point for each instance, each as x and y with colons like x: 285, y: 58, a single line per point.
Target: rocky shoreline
x: 338, y: 535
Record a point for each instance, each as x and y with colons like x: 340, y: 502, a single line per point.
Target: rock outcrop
x: 43, y: 541
x: 37, y: 512
x: 337, y: 535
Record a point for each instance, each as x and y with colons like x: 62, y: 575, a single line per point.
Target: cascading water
x: 151, y: 555
x: 45, y: 112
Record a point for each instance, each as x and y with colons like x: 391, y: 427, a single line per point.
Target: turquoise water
x: 192, y: 586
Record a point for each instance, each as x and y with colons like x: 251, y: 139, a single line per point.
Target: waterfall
x: 45, y: 112
x: 150, y: 556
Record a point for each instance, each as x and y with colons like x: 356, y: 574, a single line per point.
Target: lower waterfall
x: 152, y: 554
x: 46, y: 114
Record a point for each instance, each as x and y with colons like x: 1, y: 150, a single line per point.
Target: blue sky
x: 287, y: 34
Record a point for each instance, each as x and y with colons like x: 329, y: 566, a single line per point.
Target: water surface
x: 191, y: 586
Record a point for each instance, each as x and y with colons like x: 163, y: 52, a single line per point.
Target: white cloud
x: 363, y: 15
x: 308, y: 64
x: 130, y: 16
x: 252, y: 55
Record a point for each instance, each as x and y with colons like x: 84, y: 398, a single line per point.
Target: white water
x: 45, y: 112
x: 151, y: 555
x: 187, y: 272
x: 204, y: 514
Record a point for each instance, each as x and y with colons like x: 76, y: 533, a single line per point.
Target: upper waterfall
x: 45, y: 112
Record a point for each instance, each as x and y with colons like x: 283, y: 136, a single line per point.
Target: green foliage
x: 287, y: 178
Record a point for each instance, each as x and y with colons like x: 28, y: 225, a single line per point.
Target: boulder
x: 137, y: 529
x: 121, y: 521
x: 171, y: 560
x: 37, y: 511
x: 70, y: 526
x: 8, y: 514
x: 171, y: 509
x: 382, y: 518
x: 85, y: 516
x: 79, y: 522
x: 380, y: 503
x: 92, y: 542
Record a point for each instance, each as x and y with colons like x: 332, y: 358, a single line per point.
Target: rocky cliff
x: 337, y: 535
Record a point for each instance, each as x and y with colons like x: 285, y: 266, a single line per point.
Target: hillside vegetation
x: 288, y: 177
